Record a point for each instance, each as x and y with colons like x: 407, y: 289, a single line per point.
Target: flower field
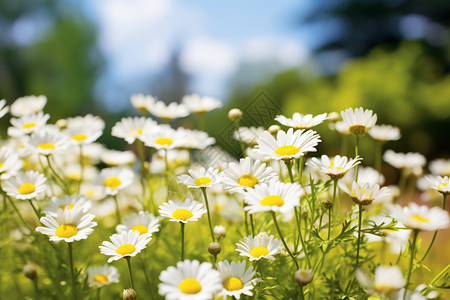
x: 174, y: 216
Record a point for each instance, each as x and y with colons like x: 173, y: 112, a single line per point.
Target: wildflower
x: 358, y: 121
x: 249, y: 135
x: 84, y: 130
x: 26, y: 185
x: 384, y: 133
x: 214, y: 248
x: 168, y: 112
x: 235, y: 114
x: 236, y: 279
x: 27, y: 124
x: 440, y: 184
x: 182, y: 211
x: 66, y: 202
x: 163, y: 137
x: 387, y: 280
x: 440, y: 167
x: 194, y: 139
x: 365, y: 194
x: 117, y: 158
x: 9, y: 162
x: 115, y: 179
x: 190, y: 280
x: 303, y: 277
x: 129, y: 294
x: 202, y: 179
x: 142, y: 102
x: 300, y: 121
x: 102, y: 275
x: 335, y: 167
x: 259, y: 247
x: 3, y: 108
x: 48, y: 142
x: 125, y: 244
x: 411, y: 162
x: 198, y: 105
x: 220, y: 231
x: 28, y: 105
x: 421, y: 217
x: 131, y: 129
x: 144, y: 222
x: 68, y: 225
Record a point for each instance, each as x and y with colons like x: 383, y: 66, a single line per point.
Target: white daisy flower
x: 260, y: 246
x: 335, y: 167
x: 249, y: 135
x: 102, y: 275
x: 26, y: 185
x: 440, y: 184
x: 397, y: 239
x: 168, y: 112
x: 342, y: 128
x: 28, y: 105
x: 300, y: 121
x: 219, y: 231
x: 3, y: 108
x: 125, y: 244
x: 66, y: 202
x: 411, y: 162
x: 115, y: 179
x: 182, y: 211
x: 201, y: 179
x: 163, y: 137
x: 84, y: 130
x: 47, y: 142
x: 92, y: 191
x: 9, y: 162
x: 288, y: 144
x: 386, y: 281
x: 273, y: 196
x: 198, y: 105
x: 68, y: 225
x: 134, y: 128
x: 239, y: 177
x: 27, y: 124
x: 142, y: 102
x: 366, y: 193
x: 144, y: 222
x: 359, y: 121
x: 440, y: 167
x: 304, y: 276
x: 189, y: 280
x: 194, y: 139
x: 384, y: 133
x: 421, y: 217
x: 236, y: 279
x: 117, y: 158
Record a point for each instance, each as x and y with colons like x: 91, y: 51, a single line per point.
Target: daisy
x: 288, y: 144
x: 411, y: 162
x: 440, y: 184
x: 190, y: 280
x: 194, y: 139
x: 115, y: 179
x: 102, y: 275
x: 3, y: 108
x: 27, y: 124
x: 335, y: 167
x: 342, y: 128
x: 68, y: 225
x: 273, y: 196
x: 134, y: 128
x: 260, y: 246
x: 47, y: 142
x: 84, y: 130
x: 117, y: 158
x: 200, y: 179
x: 397, y: 239
x: 125, y: 244
x: 92, y: 191
x: 249, y: 135
x: 242, y: 176
x: 300, y: 121
x: 303, y: 277
x: 384, y: 133
x: 386, y: 281
x: 182, y: 211
x: 28, y: 105
x: 168, y: 112
x: 198, y: 105
x: 26, y: 185
x: 142, y: 102
x: 9, y: 162
x: 359, y: 121
x: 144, y: 222
x: 366, y: 193
x: 163, y: 137
x: 421, y: 217
x: 236, y: 279
x: 440, y: 167
x: 66, y: 202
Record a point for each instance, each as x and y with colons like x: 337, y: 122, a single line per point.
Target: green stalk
x: 19, y: 214
x: 413, y: 250
x: 117, y: 209
x: 129, y: 271
x: 356, y: 154
x: 359, y: 235
x: 81, y: 169
x: 300, y: 169
x: 302, y: 295
x: 378, y: 156
x: 283, y: 241
x: 74, y: 290
x: 288, y: 164
x: 241, y: 142
x: 329, y: 209
x: 182, y: 241
x: 56, y: 175
x: 252, y: 225
x: 207, y: 210
x: 34, y: 209
x: 444, y: 271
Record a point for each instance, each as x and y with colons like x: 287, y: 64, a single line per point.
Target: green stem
x: 182, y: 241
x: 378, y: 156
x: 207, y: 210
x: 302, y: 295
x: 252, y: 225
x: 245, y: 218
x: 356, y: 154
x: 359, y: 235
x: 241, y: 142
x: 288, y: 164
x: 444, y: 271
x: 36, y: 288
x: 34, y: 209
x: 260, y: 269
x: 129, y: 271
x: 74, y: 290
x: 98, y: 293
x: 329, y: 222
x: 56, y: 175
x: 283, y: 241
x: 81, y: 169
x: 19, y: 214
x: 413, y: 250
x: 333, y: 203
x: 300, y: 169
x: 117, y: 209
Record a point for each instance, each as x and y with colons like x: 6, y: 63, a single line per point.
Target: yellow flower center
x: 182, y: 214
x: 233, y: 284
x: 47, y: 146
x: 79, y: 137
x: 141, y: 228
x: 287, y: 150
x: 125, y: 249
x: 440, y: 186
x: 66, y: 231
x: 112, y: 182
x: 27, y: 188
x: 248, y: 180
x: 202, y: 181
x: 28, y: 125
x: 67, y: 205
x: 332, y: 165
x: 164, y: 141
x: 367, y: 193
x: 1, y: 165
x: 358, y: 129
x: 100, y: 279
x: 259, y: 251
x: 272, y: 201
x: 190, y: 286
x: 384, y: 289
x: 420, y: 219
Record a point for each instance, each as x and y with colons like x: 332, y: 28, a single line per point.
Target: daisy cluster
x: 282, y: 221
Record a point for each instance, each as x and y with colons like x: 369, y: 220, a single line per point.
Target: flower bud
x: 333, y: 116
x: 327, y: 204
x: 303, y: 277
x: 219, y: 231
x: 30, y: 271
x: 214, y: 248
x: 129, y: 294
x: 235, y: 114
x: 61, y: 123
x: 274, y: 129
